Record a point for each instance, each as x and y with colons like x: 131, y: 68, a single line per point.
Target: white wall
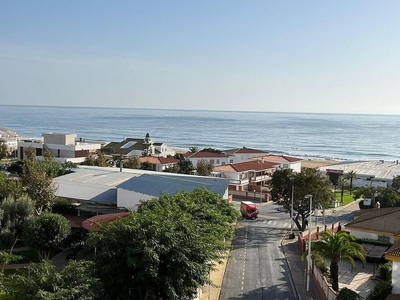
x: 396, y: 277
x: 130, y: 199
x: 367, y: 235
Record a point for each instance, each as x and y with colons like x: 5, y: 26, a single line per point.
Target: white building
x: 10, y: 137
x: 64, y: 147
x: 131, y: 147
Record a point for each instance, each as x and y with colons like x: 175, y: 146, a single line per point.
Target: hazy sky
x: 284, y: 56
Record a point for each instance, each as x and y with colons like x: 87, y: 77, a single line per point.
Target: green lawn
x: 347, y: 198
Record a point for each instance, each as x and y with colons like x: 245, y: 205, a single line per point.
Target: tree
x: 396, y: 183
x: 194, y: 149
x: 97, y: 159
x: 46, y: 232
x: 213, y: 150
x: 39, y: 186
x: 337, y: 247
x: 185, y: 166
x: 47, y: 155
x: 43, y: 282
x: 341, y: 182
x: 350, y: 176
x: 3, y: 149
x: 308, y: 181
x: 165, y: 249
x: 15, y: 212
x: 147, y: 166
x: 204, y: 168
x: 30, y: 153
x: 348, y: 294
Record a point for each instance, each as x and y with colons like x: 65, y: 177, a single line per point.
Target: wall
x: 396, y: 277
x: 59, y: 138
x: 367, y: 235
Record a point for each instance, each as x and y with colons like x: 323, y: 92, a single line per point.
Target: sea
x: 352, y: 137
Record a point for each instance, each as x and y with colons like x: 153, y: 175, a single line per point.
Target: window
x: 384, y: 238
x: 211, y: 161
x: 217, y: 161
x: 231, y: 161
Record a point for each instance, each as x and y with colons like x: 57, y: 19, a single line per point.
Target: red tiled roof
x: 243, y: 150
x: 394, y: 250
x: 227, y: 168
x: 90, y: 224
x: 167, y: 160
x: 281, y: 158
x: 202, y: 154
x: 253, y: 165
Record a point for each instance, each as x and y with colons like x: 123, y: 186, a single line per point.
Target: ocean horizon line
x: 199, y: 110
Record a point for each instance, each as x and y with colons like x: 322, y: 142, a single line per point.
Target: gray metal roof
x: 100, y: 185
x: 92, y: 184
x: 155, y: 184
x: 379, y: 168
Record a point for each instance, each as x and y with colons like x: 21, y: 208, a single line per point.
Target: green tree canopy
x: 213, y: 150
x: 14, y: 213
x: 351, y: 175
x: 42, y: 281
x: 204, y: 168
x: 307, y: 182
x: 166, y: 249
x: 337, y: 247
x: 46, y: 232
x: 39, y: 185
x: 185, y: 166
x: 3, y: 149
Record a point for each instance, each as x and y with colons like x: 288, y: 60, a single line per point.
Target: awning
x: 374, y: 251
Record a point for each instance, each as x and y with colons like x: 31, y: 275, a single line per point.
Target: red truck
x: 249, y: 210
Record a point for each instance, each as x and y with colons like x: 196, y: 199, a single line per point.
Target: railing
x: 320, y: 279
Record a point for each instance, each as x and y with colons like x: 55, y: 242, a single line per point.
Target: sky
x: 260, y: 55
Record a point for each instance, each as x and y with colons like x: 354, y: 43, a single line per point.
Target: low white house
x: 217, y: 159
x: 243, y: 154
x: 63, y: 146
x: 131, y: 147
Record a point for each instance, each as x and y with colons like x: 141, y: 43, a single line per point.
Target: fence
x: 323, y: 285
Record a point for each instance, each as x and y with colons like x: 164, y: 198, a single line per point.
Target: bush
x: 321, y: 264
x: 381, y: 291
x: 373, y: 242
x: 347, y: 294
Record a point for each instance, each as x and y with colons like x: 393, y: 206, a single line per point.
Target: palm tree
x: 336, y: 247
x: 350, y: 176
x: 341, y: 182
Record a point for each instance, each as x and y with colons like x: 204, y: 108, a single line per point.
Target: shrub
x: 348, y: 294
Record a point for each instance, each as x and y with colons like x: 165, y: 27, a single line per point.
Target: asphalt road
x: 257, y: 268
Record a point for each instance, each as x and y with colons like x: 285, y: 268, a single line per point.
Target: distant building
x: 378, y: 173
x: 10, y: 137
x: 252, y: 175
x: 217, y: 159
x: 64, y: 147
x: 243, y: 154
x: 131, y: 147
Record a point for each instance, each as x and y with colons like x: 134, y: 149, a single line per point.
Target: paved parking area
x: 359, y: 280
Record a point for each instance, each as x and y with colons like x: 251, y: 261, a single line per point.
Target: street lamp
x: 291, y: 212
x: 309, y: 243
x: 261, y: 168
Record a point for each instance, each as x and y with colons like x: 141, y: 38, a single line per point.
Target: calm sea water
x: 331, y: 136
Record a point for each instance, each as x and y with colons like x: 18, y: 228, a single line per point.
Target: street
x: 257, y: 267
